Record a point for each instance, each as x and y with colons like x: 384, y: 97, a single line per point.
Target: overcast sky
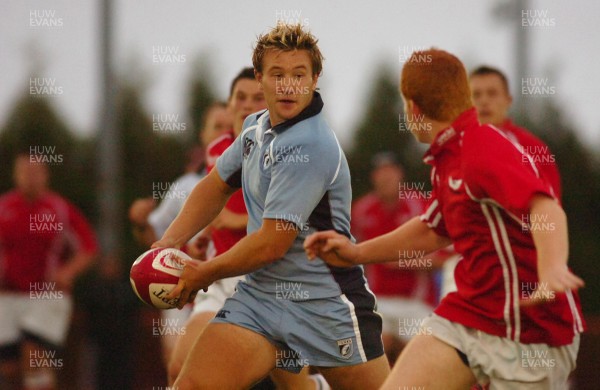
x: 354, y: 36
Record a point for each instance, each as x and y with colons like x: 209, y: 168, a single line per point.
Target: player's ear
x: 410, y: 106
x: 314, y: 83
x: 415, y: 108
x: 259, y: 77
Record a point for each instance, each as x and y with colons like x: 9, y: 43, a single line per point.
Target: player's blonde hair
x: 287, y: 37
x: 437, y: 82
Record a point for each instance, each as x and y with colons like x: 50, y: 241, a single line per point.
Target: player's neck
x: 436, y: 128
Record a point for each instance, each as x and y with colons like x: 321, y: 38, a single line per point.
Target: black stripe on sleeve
x: 235, y: 180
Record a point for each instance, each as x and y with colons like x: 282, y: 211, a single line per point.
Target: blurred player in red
x: 491, y: 98
x: 515, y: 319
x: 406, y: 293
x: 37, y: 228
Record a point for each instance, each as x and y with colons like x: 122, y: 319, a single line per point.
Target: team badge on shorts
x: 346, y: 348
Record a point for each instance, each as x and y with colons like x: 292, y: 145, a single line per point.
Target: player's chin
x: 288, y: 113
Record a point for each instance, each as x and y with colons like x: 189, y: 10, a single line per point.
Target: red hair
x: 437, y: 82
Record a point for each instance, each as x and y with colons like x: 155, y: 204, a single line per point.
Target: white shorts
x: 174, y: 317
x: 506, y: 364
x: 215, y: 297
x: 45, y: 316
x: 448, y: 282
x: 402, y: 317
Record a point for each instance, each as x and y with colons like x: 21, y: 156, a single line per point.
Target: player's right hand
x: 193, y: 279
x: 333, y: 248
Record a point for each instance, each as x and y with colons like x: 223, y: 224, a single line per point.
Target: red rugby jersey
x: 372, y: 218
x: 481, y: 194
x: 34, y: 236
x: 223, y: 239
x: 539, y: 152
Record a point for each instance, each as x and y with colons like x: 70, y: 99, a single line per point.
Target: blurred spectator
x: 45, y: 243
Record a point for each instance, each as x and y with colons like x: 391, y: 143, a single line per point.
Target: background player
x: 37, y: 228
x: 485, y: 201
x: 150, y: 221
x: 337, y: 328
x: 405, y: 294
x: 492, y: 100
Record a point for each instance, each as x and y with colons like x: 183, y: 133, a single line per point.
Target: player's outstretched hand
x: 553, y: 280
x: 559, y: 278
x: 192, y: 279
x: 334, y: 248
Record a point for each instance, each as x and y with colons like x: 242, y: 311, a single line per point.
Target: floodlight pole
x: 109, y: 145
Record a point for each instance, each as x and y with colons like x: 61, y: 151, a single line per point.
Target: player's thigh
x: 369, y: 375
x: 226, y: 356
x: 285, y: 380
x: 429, y: 363
x: 193, y: 328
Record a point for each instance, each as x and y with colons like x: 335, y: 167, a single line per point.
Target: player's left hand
x: 193, y: 279
x: 333, y: 248
x: 559, y: 278
x: 551, y: 281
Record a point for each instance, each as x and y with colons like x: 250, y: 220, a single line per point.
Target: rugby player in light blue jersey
x: 288, y: 312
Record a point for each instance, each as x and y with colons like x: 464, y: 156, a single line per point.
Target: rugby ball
x: 155, y: 273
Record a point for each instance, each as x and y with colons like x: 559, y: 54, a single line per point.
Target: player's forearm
x: 414, y: 239
x: 204, y: 203
x: 548, y: 226
x: 227, y: 219
x: 239, y: 221
x: 254, y: 251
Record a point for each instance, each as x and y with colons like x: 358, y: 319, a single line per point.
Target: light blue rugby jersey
x: 294, y: 173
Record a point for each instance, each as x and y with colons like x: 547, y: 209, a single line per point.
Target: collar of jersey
x: 314, y: 108
x: 443, y: 138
